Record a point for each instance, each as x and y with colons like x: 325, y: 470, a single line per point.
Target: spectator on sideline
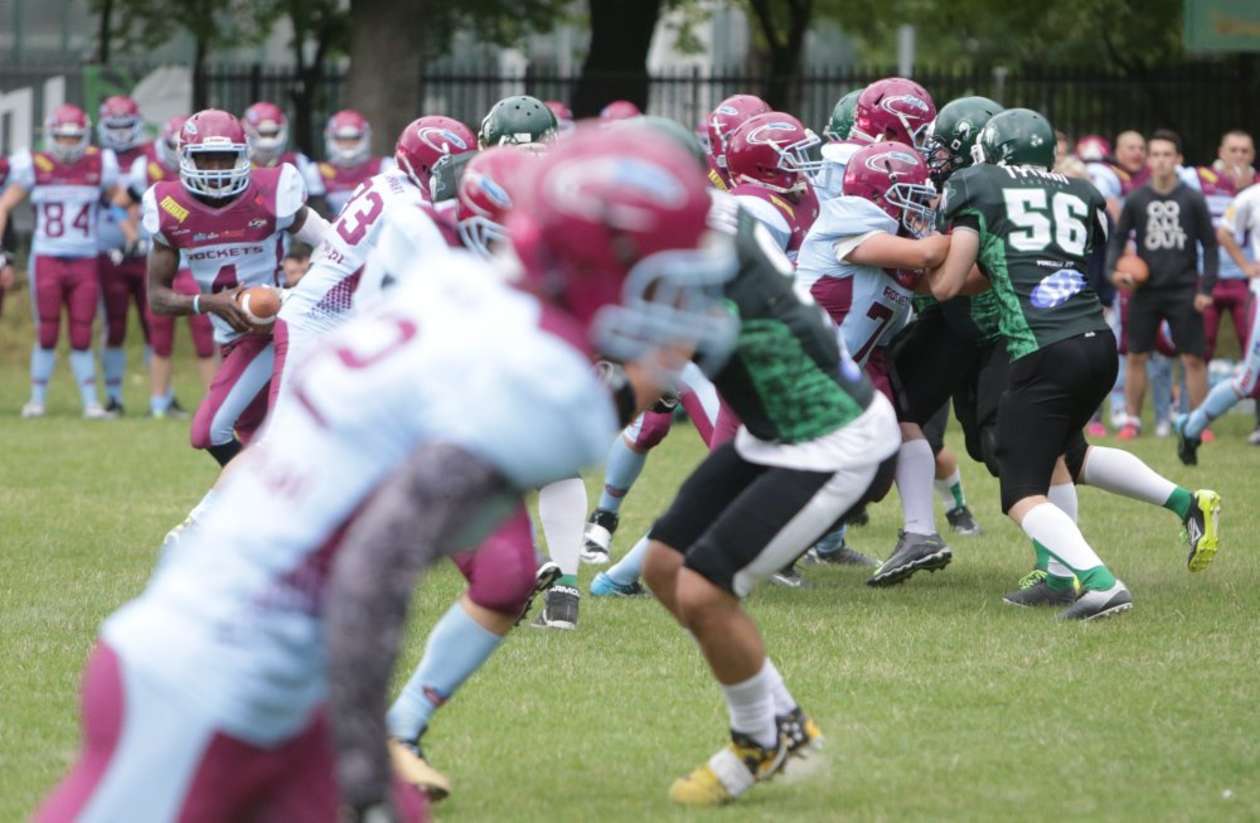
x: 1131, y: 164
x: 1170, y: 221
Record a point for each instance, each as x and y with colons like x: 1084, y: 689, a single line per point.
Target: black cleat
x: 600, y: 528
x: 560, y: 609
x: 544, y: 578
x: 1092, y: 605
x: 788, y: 576
x: 963, y: 522
x: 1187, y: 447
x: 913, y: 553
x: 1034, y: 591
x: 114, y: 407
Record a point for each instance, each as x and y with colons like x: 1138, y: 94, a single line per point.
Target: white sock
x: 1064, y: 496
x: 1057, y: 569
x: 562, y: 509
x: 945, y: 489
x: 915, y: 469
x: 784, y: 703
x: 1119, y: 472
x: 1052, y: 528
x: 751, y: 706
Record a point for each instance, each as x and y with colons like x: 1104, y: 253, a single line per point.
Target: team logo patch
x: 43, y: 163
x: 1056, y: 289
x: 174, y: 209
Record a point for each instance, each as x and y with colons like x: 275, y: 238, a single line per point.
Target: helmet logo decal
x: 190, y: 128
x: 569, y: 184
x: 758, y: 135
x: 904, y: 104
x: 727, y: 110
x: 429, y: 134
x: 496, y: 193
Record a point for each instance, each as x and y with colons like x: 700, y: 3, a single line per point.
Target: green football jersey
x: 787, y: 379
x: 1037, y: 230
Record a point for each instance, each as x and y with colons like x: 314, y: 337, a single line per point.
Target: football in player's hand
x: 1134, y: 268
x: 261, y: 304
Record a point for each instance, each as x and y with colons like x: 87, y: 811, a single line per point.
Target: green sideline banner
x: 1222, y: 25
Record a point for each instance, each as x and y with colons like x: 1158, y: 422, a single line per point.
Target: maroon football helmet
x: 619, y: 110
x: 563, y: 114
x: 894, y: 177
x: 893, y: 109
x: 611, y: 226
x: 771, y: 150
x: 485, y: 195
x: 347, y: 126
x: 728, y: 116
x: 427, y: 140
x: 166, y: 147
x: 267, y: 132
x: 120, y: 126
x: 62, y: 124
x: 213, y: 132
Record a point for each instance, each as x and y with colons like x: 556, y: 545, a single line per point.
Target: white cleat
x: 97, y: 412
x: 33, y: 409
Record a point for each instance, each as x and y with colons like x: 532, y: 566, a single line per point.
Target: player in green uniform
x: 1031, y: 231
x: 816, y: 442
x: 519, y: 120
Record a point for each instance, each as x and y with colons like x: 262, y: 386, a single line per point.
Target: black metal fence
x: 1199, y: 99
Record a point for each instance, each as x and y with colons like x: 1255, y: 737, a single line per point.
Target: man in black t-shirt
x: 1170, y: 222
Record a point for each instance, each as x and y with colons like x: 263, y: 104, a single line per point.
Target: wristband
x: 197, y: 304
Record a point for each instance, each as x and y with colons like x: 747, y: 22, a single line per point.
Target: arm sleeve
x: 1207, y: 239
x: 149, y: 217
x: 290, y: 195
x: 22, y: 170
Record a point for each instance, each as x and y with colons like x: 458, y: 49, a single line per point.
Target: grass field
x: 938, y: 702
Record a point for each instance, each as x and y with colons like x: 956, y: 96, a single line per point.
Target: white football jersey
x: 878, y: 306
x: 408, y: 234
x: 67, y: 199
x: 233, y: 618
x: 325, y: 294
x: 829, y: 181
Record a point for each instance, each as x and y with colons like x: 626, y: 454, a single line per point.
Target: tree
x: 325, y: 26
x: 615, y: 67
x: 782, y: 25
x: 211, y: 24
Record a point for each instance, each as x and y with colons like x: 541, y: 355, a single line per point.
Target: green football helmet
x: 674, y: 130
x: 841, y: 122
x: 954, y: 131
x: 517, y: 120
x: 446, y: 173
x: 1016, y: 137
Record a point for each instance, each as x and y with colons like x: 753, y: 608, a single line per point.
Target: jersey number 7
x: 1026, y: 208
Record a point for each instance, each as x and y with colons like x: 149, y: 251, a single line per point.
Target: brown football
x: 260, y: 303
x: 1135, y: 267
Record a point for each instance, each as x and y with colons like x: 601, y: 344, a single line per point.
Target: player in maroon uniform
x: 348, y: 147
x: 563, y: 114
x: 722, y: 122
x: 428, y: 139
x: 228, y: 219
x: 120, y: 263
x: 7, y: 242
x: 160, y: 161
x: 766, y: 158
x: 67, y: 183
x: 619, y: 110
x: 267, y: 134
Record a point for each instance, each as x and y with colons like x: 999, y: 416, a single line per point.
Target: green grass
x: 938, y: 702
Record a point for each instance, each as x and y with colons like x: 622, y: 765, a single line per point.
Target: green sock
x: 567, y: 580
x: 1180, y: 502
x: 960, y: 499
x: 1043, y: 556
x: 1060, y: 584
x: 1098, y: 578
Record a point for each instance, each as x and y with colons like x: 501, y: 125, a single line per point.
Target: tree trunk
x: 200, y: 92
x: 782, y: 89
x: 105, y: 32
x: 385, y: 66
x: 616, y: 63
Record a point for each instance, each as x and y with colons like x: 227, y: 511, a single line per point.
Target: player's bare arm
x: 1226, y: 238
x: 163, y: 265
x: 12, y: 196
x: 418, y: 515
x: 889, y: 251
x: 949, y: 279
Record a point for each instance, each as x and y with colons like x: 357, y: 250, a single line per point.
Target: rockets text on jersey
x: 240, y: 243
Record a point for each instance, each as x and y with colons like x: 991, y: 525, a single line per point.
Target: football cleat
x: 1037, y: 592
x: 560, y: 609
x: 1129, y: 431
x: 800, y: 731
x: 1202, y: 529
x: 1254, y: 437
x: 115, y: 407
x: 174, y: 409
x: 730, y: 772
x: 912, y: 553
x: 1095, y: 428
x: 605, y: 586
x: 1093, y: 604
x: 600, y: 528
x: 789, y: 577
x: 546, y: 576
x: 33, y: 409
x: 1187, y: 447
x: 828, y: 553
x: 963, y: 522
x: 96, y: 412
x: 413, y: 767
